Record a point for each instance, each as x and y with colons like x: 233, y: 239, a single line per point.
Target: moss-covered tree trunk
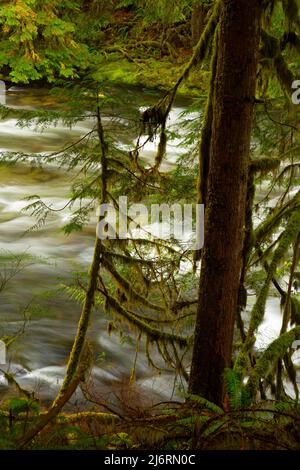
x: 88, y: 303
x: 234, y: 93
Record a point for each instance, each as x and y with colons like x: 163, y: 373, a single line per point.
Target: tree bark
x: 199, y: 13
x: 234, y: 93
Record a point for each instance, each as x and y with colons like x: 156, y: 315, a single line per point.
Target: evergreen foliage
x: 139, y: 281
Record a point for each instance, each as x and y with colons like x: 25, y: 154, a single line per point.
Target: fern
x: 238, y: 394
x: 203, y: 403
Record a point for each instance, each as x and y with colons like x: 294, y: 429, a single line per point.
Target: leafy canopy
x: 37, y: 41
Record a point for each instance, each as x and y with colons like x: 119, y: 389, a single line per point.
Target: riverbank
x: 151, y: 73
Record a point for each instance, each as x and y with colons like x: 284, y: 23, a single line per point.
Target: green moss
x: 265, y: 165
x: 275, y: 351
x: 160, y: 74
x: 291, y: 232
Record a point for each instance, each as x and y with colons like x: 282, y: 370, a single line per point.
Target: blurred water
x: 39, y: 355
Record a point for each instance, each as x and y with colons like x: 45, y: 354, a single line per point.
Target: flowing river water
x: 38, y: 356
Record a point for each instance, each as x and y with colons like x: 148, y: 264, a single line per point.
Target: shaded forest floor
x: 193, y: 425
x: 152, y: 56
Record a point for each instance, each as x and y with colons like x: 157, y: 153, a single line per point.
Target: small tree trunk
x: 88, y: 304
x: 234, y: 94
x: 199, y: 13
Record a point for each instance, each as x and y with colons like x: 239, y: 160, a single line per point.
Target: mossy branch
x: 264, y: 165
x: 289, y: 236
x: 271, y: 50
x: 267, y: 227
x: 276, y: 350
x: 126, y: 287
x: 152, y: 333
x: 88, y: 304
x: 157, y: 115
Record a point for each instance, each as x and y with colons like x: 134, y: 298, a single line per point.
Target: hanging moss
x: 290, y: 234
x: 156, y: 116
x: 179, y: 364
x: 291, y: 372
x: 284, y: 75
x: 287, y: 298
x: 127, y: 289
x: 242, y: 361
x: 276, y: 350
x: 248, y: 244
x: 152, y: 333
x: 264, y: 165
x: 270, y: 47
x: 292, y: 39
x: 268, y: 226
x: 291, y: 11
x: 295, y: 311
x: 161, y: 150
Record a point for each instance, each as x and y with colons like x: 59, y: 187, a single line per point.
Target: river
x: 38, y: 356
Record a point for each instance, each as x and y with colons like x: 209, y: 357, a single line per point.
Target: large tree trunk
x: 233, y: 103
